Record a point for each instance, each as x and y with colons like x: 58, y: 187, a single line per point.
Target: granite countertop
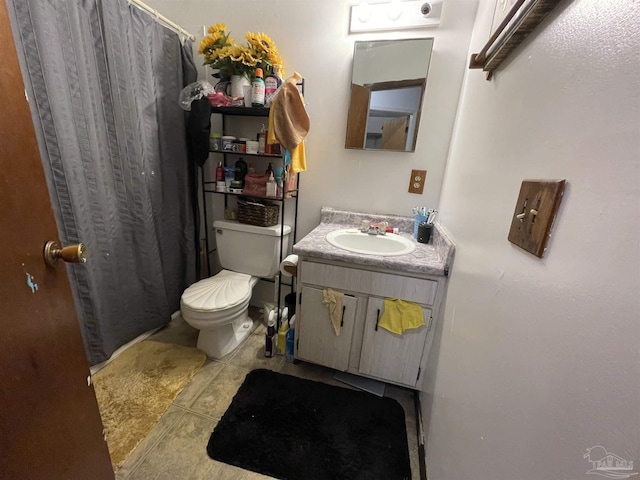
x: 434, y: 258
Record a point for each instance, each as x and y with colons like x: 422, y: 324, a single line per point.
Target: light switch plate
x: 535, y: 211
x: 416, y: 182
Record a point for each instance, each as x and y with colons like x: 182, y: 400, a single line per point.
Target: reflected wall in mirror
x: 387, y: 89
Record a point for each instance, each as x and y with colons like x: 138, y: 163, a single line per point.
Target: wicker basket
x: 253, y: 213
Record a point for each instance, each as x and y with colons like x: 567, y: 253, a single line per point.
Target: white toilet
x: 219, y: 306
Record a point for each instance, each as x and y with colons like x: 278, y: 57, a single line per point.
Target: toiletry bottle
x: 269, y: 169
x: 267, y: 145
x: 271, y: 84
x: 262, y: 139
x: 241, y: 171
x: 272, y: 186
x: 289, y: 342
x: 219, y: 173
x: 251, y: 169
x: 215, y: 141
x: 257, y: 89
x: 282, y: 332
x: 270, y: 336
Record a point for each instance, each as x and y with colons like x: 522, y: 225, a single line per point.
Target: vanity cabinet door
x: 317, y: 339
x: 389, y: 356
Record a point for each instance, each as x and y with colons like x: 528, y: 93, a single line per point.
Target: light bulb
x: 394, y: 10
x: 364, y: 12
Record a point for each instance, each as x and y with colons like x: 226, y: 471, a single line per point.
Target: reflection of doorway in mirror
x: 396, y: 107
x: 394, y: 134
x: 357, y: 119
x: 502, y: 8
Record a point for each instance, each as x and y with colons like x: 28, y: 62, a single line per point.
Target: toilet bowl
x: 218, y: 306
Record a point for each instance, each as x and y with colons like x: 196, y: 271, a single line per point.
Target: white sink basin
x: 355, y: 241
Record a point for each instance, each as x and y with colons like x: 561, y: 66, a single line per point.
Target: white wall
x: 313, y: 39
x: 539, y: 359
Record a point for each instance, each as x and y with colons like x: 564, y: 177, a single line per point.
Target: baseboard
x: 422, y: 457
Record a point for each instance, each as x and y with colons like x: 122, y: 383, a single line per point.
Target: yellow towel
x: 334, y: 301
x: 400, y: 315
x: 298, y: 157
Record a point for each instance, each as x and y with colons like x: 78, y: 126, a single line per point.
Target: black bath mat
x: 295, y: 429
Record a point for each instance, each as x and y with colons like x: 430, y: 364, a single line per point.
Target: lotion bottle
x: 272, y: 186
x: 271, y: 85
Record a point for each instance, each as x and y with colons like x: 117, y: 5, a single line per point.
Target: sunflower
x: 260, y: 41
x: 218, y: 27
x: 220, y: 52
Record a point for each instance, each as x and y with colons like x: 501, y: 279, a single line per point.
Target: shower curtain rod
x: 174, y: 26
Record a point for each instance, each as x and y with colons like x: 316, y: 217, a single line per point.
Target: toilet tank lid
x: 243, y: 227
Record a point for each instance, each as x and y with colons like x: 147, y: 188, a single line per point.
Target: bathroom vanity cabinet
x: 362, y: 347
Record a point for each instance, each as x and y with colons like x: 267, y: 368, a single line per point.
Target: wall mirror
x: 387, y: 90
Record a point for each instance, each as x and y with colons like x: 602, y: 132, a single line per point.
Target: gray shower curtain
x: 103, y: 80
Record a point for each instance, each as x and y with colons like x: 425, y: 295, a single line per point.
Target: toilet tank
x: 250, y: 249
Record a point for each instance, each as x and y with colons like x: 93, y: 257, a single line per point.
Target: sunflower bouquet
x: 229, y: 58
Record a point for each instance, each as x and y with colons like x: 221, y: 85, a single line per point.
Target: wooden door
x: 389, y: 356
x: 357, y: 117
x: 50, y: 426
x: 394, y: 134
x: 317, y: 339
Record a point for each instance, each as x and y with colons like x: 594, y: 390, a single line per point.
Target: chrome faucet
x: 373, y: 229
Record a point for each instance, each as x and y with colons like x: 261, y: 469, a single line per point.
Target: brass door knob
x: 70, y: 254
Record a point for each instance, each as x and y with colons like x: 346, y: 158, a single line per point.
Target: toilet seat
x: 221, y: 292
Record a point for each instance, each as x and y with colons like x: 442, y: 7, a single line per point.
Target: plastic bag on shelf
x: 194, y: 91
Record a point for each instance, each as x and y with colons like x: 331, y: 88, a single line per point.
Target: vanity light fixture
x: 395, y: 15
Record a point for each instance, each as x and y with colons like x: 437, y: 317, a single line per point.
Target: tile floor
x: 176, y: 447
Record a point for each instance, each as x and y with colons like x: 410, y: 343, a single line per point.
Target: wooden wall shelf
x: 522, y: 19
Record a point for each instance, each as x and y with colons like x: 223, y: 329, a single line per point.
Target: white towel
x: 289, y: 266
